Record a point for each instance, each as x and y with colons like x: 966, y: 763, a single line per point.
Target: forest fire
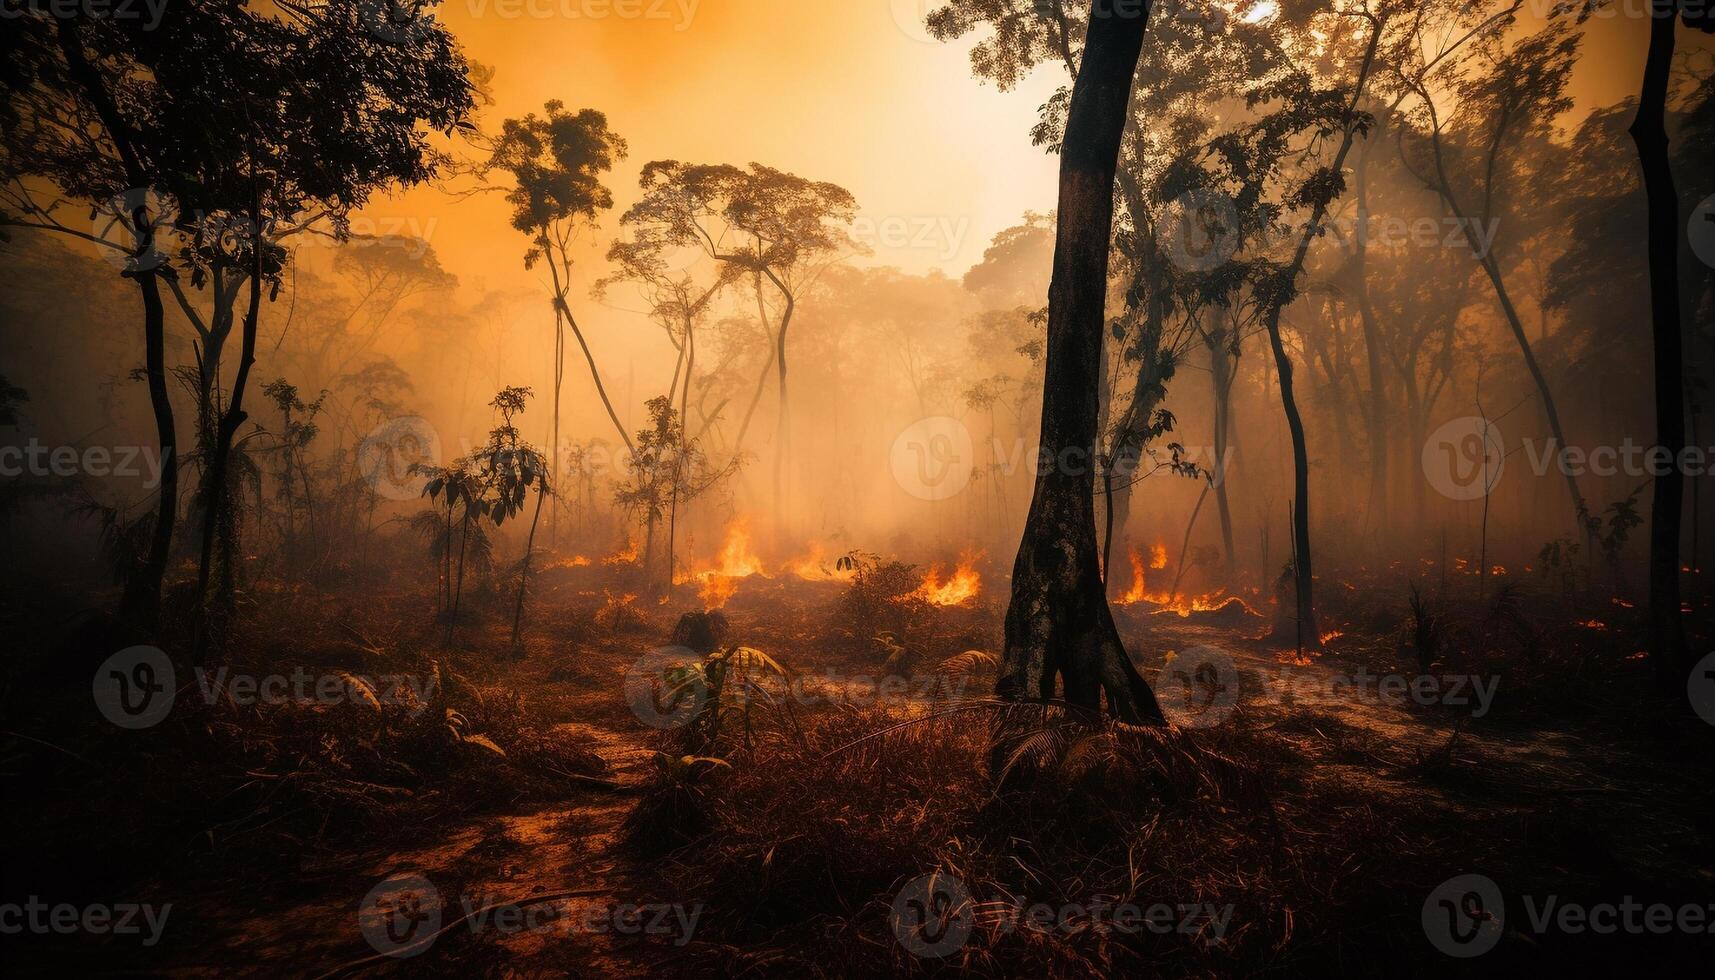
x: 1168, y: 600
x: 737, y: 560
x: 396, y: 411
x: 961, y: 586
x: 813, y: 566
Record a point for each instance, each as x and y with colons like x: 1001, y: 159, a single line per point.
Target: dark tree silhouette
x: 1058, y: 625
x: 1649, y: 132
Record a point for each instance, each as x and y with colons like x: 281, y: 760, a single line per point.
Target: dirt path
x: 316, y: 925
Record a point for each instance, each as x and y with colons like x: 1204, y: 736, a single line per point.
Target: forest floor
x: 1317, y: 812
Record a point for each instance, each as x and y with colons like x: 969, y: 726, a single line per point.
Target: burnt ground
x: 1575, y: 780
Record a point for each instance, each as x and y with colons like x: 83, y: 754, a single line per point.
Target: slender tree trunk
x: 524, y: 571
x: 679, y: 460
x: 458, y: 589
x: 1222, y: 370
x: 1649, y: 132
x: 1301, y: 554
x: 230, y: 420
x: 1058, y: 625
x: 1376, y: 418
x: 140, y: 605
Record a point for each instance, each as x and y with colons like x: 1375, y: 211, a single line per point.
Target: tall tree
x: 557, y: 161
x: 119, y: 113
x: 1059, y: 629
x: 767, y: 225
x: 1649, y: 132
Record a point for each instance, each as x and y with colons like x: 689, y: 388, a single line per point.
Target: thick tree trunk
x: 1649, y: 132
x: 1058, y: 625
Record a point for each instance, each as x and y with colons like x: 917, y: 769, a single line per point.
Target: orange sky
x: 830, y: 90
x: 850, y: 91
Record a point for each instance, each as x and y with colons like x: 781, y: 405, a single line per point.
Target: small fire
x: 813, y: 567
x: 962, y: 586
x: 624, y: 556
x: 736, y: 560
x: 575, y: 561
x: 1592, y: 624
x: 1168, y: 601
x: 1331, y: 636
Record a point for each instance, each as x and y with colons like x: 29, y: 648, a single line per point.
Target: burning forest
x: 883, y: 488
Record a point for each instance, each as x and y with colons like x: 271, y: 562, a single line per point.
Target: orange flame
x: 813, y: 567
x: 623, y: 556
x: 1169, y: 602
x: 962, y: 586
x: 719, y: 582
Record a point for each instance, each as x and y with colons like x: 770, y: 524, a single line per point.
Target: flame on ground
x: 813, y: 567
x: 719, y: 582
x: 575, y: 561
x: 1184, y: 605
x: 624, y: 556
x: 962, y: 585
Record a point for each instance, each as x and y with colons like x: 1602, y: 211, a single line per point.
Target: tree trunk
x: 1376, y: 418
x: 1301, y: 555
x: 140, y: 604
x: 524, y: 570
x: 1058, y: 624
x: 230, y: 420
x: 1649, y: 132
